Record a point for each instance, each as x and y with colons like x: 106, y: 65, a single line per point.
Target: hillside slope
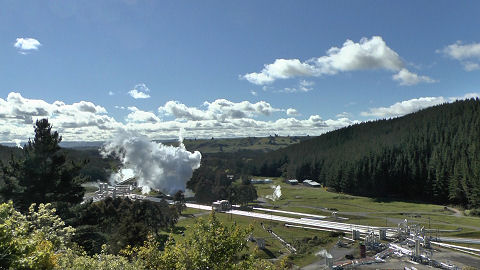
x: 430, y: 155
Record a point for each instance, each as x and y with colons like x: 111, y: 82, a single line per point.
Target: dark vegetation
x: 42, y: 173
x: 96, y: 168
x: 211, y: 181
x: 431, y: 155
x: 120, y: 222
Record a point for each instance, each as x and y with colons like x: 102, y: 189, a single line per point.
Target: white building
x: 311, y: 183
x: 261, y: 181
x: 292, y: 181
x: 223, y: 205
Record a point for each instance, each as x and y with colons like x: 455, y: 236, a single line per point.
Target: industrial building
x: 123, y: 191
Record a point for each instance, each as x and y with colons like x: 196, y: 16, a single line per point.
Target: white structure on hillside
x: 261, y: 181
x: 292, y: 181
x: 311, y: 183
x: 223, y: 205
x: 105, y: 191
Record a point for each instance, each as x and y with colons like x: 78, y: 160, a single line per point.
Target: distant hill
x: 430, y: 155
x: 99, y: 168
x: 232, y: 145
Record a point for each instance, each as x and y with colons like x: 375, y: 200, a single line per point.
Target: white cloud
x: 292, y: 112
x: 77, y: 119
x: 344, y: 115
x: 27, y: 44
x: 220, y: 109
x: 462, y: 51
x: 470, y: 66
x: 405, y: 77
x: 254, y: 93
x: 139, y: 116
x: 467, y: 54
x: 306, y: 86
x: 139, y: 91
x: 365, y: 55
x: 412, y: 105
x: 280, y: 69
x: 110, y: 93
x: 86, y: 121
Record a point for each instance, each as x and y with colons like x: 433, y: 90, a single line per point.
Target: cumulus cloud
x: 220, y: 109
x: 27, y: 44
x: 293, y: 112
x: 344, y: 115
x: 281, y: 69
x: 405, y: 77
x: 139, y: 116
x: 254, y: 93
x: 140, y: 91
x: 86, y: 121
x: 303, y: 86
x: 365, y: 55
x: 18, y: 113
x: 306, y: 86
x: 412, y: 105
x: 467, y: 54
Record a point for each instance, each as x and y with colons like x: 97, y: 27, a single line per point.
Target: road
x: 459, y: 240
x: 321, y: 224
x: 338, y: 226
x: 288, y: 212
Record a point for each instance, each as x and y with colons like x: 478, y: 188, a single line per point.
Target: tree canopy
x: 42, y: 173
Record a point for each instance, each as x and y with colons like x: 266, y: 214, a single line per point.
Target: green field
x: 371, y: 211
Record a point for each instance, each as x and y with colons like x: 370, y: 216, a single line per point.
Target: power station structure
x: 409, y: 240
x: 117, y: 191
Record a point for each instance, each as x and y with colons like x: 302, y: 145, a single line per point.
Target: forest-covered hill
x: 431, y: 155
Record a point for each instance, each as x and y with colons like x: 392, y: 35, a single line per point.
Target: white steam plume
x: 158, y: 166
x: 277, y: 193
x: 18, y: 143
x: 322, y: 253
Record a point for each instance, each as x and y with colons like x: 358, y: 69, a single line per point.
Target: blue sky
x: 61, y: 59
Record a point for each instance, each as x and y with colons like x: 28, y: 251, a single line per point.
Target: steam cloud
x: 323, y: 253
x: 18, y: 143
x: 277, y: 193
x: 158, y: 166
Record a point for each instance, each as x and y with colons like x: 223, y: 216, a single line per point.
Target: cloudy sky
x: 229, y: 68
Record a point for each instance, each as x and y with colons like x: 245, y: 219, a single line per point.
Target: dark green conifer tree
x: 42, y: 174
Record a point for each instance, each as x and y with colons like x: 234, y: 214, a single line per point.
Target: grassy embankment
x: 371, y: 211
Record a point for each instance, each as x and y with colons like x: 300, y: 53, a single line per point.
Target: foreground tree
x: 211, y: 245
x: 31, y: 241
x: 43, y: 174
